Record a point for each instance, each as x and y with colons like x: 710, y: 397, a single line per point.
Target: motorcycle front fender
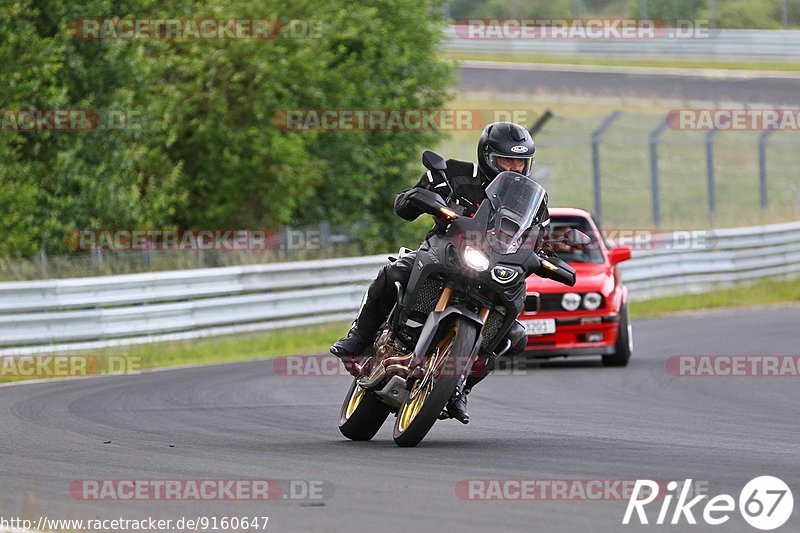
x: 432, y: 325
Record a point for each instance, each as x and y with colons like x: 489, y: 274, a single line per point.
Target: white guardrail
x: 731, y: 44
x: 63, y: 314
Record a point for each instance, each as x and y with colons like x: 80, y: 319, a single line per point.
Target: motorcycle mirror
x: 433, y: 161
x: 577, y: 238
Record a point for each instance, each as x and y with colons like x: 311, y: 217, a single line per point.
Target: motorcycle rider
x: 502, y: 146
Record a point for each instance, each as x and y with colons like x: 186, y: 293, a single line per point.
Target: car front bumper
x: 582, y: 335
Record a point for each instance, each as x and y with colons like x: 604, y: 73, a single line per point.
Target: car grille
x: 549, y: 303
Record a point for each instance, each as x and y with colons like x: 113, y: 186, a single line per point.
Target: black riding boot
x: 380, y: 299
x: 362, y: 333
x: 457, y: 406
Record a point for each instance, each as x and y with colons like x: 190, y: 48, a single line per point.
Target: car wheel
x: 624, y: 347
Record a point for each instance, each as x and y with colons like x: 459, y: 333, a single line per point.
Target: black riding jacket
x: 469, y: 185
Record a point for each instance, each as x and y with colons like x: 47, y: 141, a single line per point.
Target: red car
x: 590, y: 318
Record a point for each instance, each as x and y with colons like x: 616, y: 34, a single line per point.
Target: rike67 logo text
x: 765, y: 503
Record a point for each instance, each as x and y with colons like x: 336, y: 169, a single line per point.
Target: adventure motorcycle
x: 466, y: 289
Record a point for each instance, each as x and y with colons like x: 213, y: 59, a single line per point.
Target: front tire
x: 362, y: 413
x: 624, y: 346
x: 429, y: 396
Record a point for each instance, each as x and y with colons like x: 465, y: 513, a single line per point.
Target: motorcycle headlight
x: 592, y: 301
x: 503, y: 274
x: 475, y: 259
x: 571, y: 301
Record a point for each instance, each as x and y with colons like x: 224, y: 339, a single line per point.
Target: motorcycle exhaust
x: 394, y: 393
x: 389, y: 366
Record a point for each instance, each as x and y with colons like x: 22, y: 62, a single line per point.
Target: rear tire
x: 624, y: 346
x: 362, y: 413
x: 410, y: 428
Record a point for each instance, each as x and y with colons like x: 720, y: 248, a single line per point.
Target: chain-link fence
x: 766, y: 14
x: 651, y: 175
x: 628, y: 168
x: 646, y: 174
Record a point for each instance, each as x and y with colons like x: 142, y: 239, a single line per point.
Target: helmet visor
x: 503, y: 163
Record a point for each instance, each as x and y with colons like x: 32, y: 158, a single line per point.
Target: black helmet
x: 504, y: 139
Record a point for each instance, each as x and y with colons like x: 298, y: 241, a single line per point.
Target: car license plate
x: 540, y: 327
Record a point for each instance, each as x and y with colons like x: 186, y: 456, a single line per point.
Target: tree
x: 199, y: 147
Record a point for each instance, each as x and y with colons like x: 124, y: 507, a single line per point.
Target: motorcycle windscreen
x: 518, y: 202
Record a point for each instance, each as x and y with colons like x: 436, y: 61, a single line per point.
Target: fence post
x: 713, y: 10
x: 762, y: 167
x: 201, y: 258
x: 596, y: 134
x: 41, y: 258
x: 712, y: 192
x: 654, y: 185
x: 785, y: 14
x: 324, y: 237
x: 147, y: 254
x: 544, y: 119
x: 578, y: 8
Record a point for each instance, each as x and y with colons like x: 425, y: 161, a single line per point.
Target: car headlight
x: 475, y: 259
x: 503, y: 274
x: 571, y: 301
x: 592, y: 301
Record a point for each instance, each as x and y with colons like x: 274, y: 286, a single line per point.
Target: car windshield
x: 517, y: 201
x: 589, y: 253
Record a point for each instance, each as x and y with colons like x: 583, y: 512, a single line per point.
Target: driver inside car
x: 503, y: 146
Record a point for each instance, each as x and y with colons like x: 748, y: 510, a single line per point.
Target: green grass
x: 786, y: 66
x: 317, y: 339
x: 302, y: 340
x: 243, y: 347
x: 765, y: 292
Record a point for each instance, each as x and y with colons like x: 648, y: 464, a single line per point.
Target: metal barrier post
x: 712, y: 192
x: 655, y: 187
x: 762, y: 167
x: 596, y: 134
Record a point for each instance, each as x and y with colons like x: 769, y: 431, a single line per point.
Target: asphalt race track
x: 574, y: 420
x: 520, y: 78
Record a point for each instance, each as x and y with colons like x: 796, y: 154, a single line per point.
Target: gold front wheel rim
x: 355, y: 400
x: 411, y: 409
x: 418, y: 395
